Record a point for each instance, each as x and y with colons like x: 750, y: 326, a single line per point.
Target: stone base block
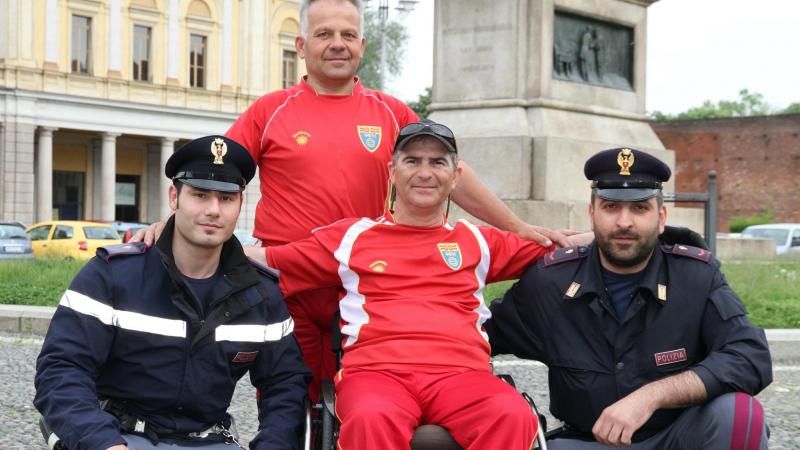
x: 745, y: 249
x: 539, y: 152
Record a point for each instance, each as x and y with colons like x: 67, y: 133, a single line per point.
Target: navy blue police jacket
x: 127, y: 329
x: 684, y: 316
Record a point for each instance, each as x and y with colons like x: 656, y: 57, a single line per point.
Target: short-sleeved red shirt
x: 412, y: 297
x: 321, y: 158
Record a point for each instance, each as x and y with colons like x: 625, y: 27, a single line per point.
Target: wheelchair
x: 323, y: 426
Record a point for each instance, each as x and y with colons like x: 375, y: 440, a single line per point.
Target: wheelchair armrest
x: 507, y: 378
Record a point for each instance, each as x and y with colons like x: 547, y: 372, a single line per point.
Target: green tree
x: 396, y: 37
x: 739, y: 223
x: 794, y: 108
x: 420, y: 106
x: 748, y: 104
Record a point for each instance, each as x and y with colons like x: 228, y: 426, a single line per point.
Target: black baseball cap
x: 626, y: 174
x: 214, y: 163
x: 426, y: 127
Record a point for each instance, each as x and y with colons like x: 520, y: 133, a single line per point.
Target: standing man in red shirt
x: 412, y: 308
x: 322, y: 149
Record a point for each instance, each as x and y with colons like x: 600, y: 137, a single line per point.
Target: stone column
x: 51, y: 34
x: 44, y: 175
x: 167, y: 148
x: 5, y: 23
x: 115, y: 33
x: 173, y: 42
x: 108, y: 176
x: 227, y: 50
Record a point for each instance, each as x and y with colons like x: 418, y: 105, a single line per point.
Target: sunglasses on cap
x: 427, y: 127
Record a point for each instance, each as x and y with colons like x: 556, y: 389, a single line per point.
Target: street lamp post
x: 404, y: 7
x: 383, y: 16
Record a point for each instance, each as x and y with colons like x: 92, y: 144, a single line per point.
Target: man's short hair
x: 304, y: 4
x: 425, y: 138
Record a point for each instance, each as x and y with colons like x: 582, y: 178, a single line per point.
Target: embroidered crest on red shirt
x: 370, y: 136
x: 451, y: 254
x: 301, y: 137
x: 379, y: 266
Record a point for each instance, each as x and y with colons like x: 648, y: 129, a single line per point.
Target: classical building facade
x: 757, y: 160
x: 95, y: 95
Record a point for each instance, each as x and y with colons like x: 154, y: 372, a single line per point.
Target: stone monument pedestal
x: 532, y: 88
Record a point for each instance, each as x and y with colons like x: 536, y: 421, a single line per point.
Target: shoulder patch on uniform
x: 264, y: 269
x: 112, y: 251
x: 565, y: 254
x: 687, y: 251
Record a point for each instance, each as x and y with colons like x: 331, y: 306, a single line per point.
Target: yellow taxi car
x: 70, y: 239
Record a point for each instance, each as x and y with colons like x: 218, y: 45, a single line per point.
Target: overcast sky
x: 697, y: 50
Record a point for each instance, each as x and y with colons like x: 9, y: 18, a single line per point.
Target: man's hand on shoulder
x: 580, y: 238
x: 258, y: 254
x: 546, y: 236
x: 150, y: 234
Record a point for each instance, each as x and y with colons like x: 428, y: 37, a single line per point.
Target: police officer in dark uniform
x: 147, y: 344
x: 645, y: 343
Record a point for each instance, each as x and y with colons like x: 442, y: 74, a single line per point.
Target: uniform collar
x: 234, y: 265
x: 590, y: 278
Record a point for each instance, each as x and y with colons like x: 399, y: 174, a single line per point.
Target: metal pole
x: 383, y: 15
x: 711, y: 221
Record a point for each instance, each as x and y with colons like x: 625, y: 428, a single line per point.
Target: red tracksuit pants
x: 381, y: 409
x: 312, y: 312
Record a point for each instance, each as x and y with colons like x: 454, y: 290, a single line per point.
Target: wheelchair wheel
x: 328, y: 438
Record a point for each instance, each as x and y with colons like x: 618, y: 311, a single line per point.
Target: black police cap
x: 214, y: 163
x: 626, y: 174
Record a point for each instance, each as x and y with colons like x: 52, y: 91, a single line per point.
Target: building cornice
x: 91, y: 114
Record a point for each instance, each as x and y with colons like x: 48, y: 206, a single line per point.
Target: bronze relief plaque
x: 591, y: 51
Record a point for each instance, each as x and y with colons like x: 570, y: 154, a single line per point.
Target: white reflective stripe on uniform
x: 351, y: 306
x: 122, y: 319
x: 255, y: 333
x: 481, y: 272
x: 52, y: 441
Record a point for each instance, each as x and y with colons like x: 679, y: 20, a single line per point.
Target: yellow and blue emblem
x: 370, y: 137
x: 451, y: 254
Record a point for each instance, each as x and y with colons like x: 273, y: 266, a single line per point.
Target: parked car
x: 71, y: 239
x: 785, y: 235
x: 245, y: 236
x: 14, y: 242
x: 126, y: 230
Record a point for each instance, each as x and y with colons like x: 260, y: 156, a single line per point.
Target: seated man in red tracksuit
x: 412, y: 308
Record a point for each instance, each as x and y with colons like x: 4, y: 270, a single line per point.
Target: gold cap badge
x: 219, y: 148
x: 625, y: 161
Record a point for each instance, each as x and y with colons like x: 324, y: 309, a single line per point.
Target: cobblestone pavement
x: 19, y: 429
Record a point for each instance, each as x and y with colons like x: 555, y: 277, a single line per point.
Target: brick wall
x: 757, y: 159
